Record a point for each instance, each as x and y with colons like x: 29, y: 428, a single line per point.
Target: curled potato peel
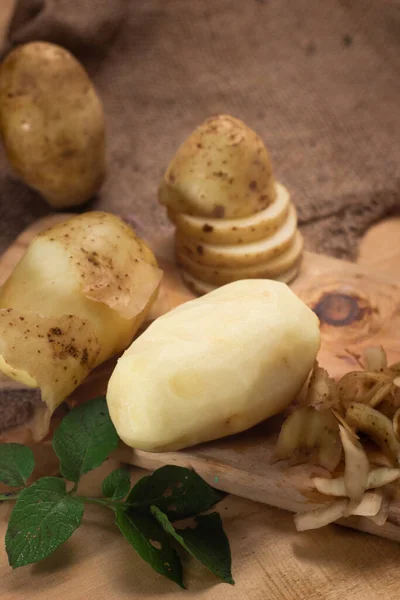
x: 243, y: 255
x: 31, y: 343
x: 366, y: 402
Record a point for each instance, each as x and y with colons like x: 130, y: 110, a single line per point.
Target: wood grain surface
x: 270, y: 559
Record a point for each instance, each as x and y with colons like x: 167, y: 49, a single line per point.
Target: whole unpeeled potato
x: 52, y: 123
x: 214, y: 366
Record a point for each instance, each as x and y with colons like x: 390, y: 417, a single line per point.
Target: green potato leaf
x: 151, y: 542
x: 117, y: 484
x: 43, y: 518
x: 84, y: 439
x: 16, y: 464
x: 176, y: 491
x: 207, y: 542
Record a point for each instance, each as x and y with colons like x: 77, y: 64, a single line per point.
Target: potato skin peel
x: 76, y: 298
x: 214, y: 366
x: 30, y: 344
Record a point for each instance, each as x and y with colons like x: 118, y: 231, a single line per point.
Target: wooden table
x: 270, y: 560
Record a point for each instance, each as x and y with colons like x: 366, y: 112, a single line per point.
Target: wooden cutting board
x: 357, y: 307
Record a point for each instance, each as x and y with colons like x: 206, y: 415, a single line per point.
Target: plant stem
x: 9, y: 496
x: 101, y: 501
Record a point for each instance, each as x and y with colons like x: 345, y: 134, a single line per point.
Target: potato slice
x: 214, y: 366
x: 91, y: 268
x: 265, y: 270
x: 235, y: 231
x: 239, y: 256
x: 222, y: 170
x: 200, y: 288
x: 377, y: 426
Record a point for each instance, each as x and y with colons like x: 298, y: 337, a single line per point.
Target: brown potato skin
x: 222, y: 170
x: 52, y: 123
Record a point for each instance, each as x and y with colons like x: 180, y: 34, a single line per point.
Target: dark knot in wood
x: 339, y: 310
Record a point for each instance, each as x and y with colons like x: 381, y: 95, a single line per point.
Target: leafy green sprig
x: 47, y: 513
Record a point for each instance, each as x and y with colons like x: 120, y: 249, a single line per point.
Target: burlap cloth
x: 319, y: 80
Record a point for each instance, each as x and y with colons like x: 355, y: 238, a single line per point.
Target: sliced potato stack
x: 233, y: 220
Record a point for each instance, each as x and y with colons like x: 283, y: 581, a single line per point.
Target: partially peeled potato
x: 76, y: 298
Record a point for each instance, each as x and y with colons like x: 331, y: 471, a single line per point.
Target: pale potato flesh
x: 214, y: 366
x: 221, y: 170
x: 85, y: 285
x: 235, y: 231
x: 52, y: 123
x: 243, y: 255
x: 200, y: 287
x: 269, y: 269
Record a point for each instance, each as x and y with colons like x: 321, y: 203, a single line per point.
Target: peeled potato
x: 199, y: 287
x: 239, y: 256
x: 235, y: 231
x: 76, y: 298
x: 222, y: 170
x: 52, y: 123
x: 265, y: 270
x: 214, y: 366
